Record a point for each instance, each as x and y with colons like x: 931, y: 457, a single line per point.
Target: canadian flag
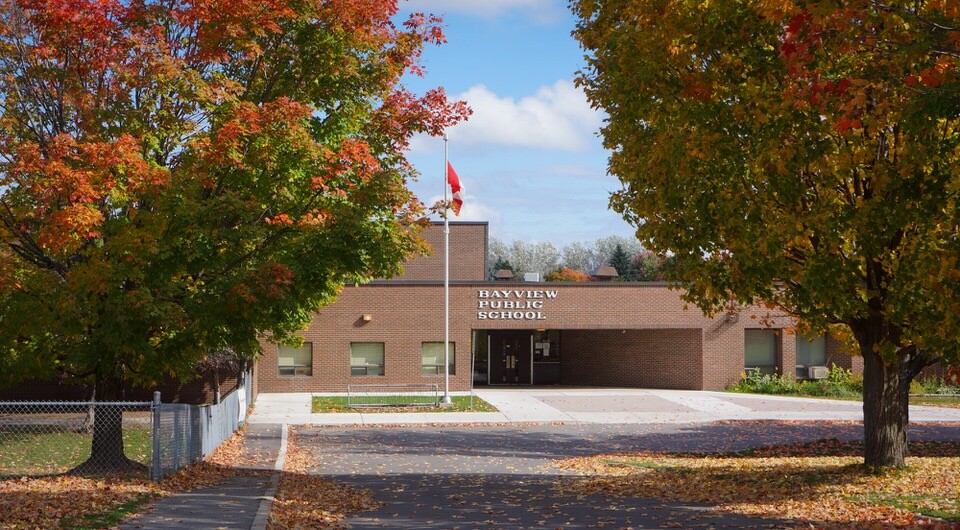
x: 455, y: 187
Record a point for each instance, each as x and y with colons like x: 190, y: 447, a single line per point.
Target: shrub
x: 916, y: 387
x: 839, y: 382
x: 760, y: 383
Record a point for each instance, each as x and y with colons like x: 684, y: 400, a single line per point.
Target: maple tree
x: 798, y: 154
x: 566, y: 274
x: 181, y: 177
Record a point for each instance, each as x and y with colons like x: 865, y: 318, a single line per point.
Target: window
x: 431, y: 358
x: 760, y: 350
x: 366, y: 358
x: 546, y: 346
x: 811, y: 351
x: 295, y: 360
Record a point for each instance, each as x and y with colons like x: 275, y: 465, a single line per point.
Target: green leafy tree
x: 798, y: 154
x: 185, y: 177
x: 646, y: 266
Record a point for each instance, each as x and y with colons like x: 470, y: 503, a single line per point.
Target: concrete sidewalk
x: 240, y: 501
x: 594, y: 405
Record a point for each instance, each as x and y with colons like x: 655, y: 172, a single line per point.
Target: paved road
x: 501, y: 477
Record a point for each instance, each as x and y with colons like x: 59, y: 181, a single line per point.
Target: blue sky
x: 529, y: 158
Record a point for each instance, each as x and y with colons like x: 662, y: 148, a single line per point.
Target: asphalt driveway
x: 501, y: 477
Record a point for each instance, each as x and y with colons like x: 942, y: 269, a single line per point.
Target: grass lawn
x: 936, y: 401
x: 820, y: 484
x: 460, y: 404
x: 44, y: 450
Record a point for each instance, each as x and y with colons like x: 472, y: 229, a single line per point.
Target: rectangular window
x: 366, y: 358
x: 811, y: 351
x: 295, y: 360
x: 431, y: 358
x: 760, y: 350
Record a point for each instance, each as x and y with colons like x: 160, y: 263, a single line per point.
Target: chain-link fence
x: 187, y: 433
x: 104, y: 438
x: 46, y: 438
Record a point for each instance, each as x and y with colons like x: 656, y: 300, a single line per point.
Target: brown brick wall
x: 405, y: 314
x: 650, y: 358
x: 835, y: 355
x: 468, y: 254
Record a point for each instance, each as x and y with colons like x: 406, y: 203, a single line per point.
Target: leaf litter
x: 54, y: 501
x: 821, y: 484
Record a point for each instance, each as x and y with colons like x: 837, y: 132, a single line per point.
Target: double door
x: 510, y: 357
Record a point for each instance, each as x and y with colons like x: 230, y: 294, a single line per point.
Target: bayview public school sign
x: 512, y: 304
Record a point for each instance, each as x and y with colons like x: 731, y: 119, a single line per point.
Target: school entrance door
x: 511, y: 357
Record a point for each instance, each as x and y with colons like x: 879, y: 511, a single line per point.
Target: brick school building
x: 510, y: 332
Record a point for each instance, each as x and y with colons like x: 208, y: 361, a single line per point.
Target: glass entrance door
x: 510, y: 357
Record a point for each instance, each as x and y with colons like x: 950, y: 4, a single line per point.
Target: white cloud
x: 543, y: 11
x: 472, y: 209
x: 557, y: 117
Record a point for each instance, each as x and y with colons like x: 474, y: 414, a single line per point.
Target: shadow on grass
x: 50, y: 450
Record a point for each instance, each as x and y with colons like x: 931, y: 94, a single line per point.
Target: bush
x: 933, y: 385
x: 839, y: 382
x: 916, y: 388
x: 760, y: 383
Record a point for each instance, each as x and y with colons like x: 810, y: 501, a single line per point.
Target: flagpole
x: 446, y: 275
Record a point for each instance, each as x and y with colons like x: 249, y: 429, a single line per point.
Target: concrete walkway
x: 594, y: 405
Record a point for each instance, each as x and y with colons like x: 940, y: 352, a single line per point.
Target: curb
x: 262, y: 517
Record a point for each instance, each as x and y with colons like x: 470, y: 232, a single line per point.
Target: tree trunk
x: 885, y: 392
x: 91, y: 412
x: 106, y: 451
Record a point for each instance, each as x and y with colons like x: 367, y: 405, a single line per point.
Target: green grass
x: 48, y: 450
x: 460, y: 404
x: 930, y: 505
x: 936, y: 401
x: 109, y: 518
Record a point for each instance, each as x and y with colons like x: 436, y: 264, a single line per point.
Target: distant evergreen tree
x: 499, y: 264
x: 621, y: 261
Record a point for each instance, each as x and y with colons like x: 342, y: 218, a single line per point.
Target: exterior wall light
x: 366, y: 317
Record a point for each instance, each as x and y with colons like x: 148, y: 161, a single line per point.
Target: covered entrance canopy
x: 658, y: 358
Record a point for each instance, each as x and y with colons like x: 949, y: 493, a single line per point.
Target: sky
x: 529, y: 158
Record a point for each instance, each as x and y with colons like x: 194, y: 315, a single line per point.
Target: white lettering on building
x: 507, y: 304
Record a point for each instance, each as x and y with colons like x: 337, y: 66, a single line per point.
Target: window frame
x: 295, y: 370
x: 771, y: 368
x: 821, y: 342
x: 356, y: 368
x: 435, y: 369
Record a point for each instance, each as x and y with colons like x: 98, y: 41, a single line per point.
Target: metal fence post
x: 155, y: 408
